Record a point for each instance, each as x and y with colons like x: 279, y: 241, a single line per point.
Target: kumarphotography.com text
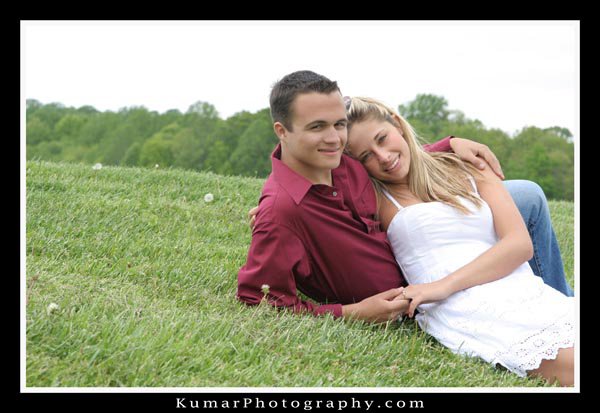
x: 297, y: 403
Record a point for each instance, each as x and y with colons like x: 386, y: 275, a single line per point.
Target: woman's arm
x: 513, y: 248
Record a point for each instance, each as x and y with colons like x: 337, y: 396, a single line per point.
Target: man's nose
x: 333, y: 135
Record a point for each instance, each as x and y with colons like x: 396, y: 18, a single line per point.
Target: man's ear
x: 280, y: 131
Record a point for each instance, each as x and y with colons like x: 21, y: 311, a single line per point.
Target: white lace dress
x: 516, y: 321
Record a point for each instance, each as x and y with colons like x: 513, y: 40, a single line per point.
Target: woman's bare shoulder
x: 387, y: 211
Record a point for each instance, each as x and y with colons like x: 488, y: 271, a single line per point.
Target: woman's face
x: 381, y: 148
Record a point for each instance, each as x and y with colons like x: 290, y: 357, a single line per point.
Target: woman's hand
x: 252, y: 216
x: 425, y: 293
x: 470, y: 151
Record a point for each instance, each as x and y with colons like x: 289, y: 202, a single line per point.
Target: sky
x: 507, y: 74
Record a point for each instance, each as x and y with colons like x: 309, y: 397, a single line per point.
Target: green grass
x: 144, y: 273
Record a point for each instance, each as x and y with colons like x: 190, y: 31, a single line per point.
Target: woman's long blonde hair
x: 432, y: 176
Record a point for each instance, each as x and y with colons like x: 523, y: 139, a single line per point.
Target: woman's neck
x: 403, y: 194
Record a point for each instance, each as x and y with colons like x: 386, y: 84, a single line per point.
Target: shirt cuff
x: 440, y: 146
x: 334, y: 309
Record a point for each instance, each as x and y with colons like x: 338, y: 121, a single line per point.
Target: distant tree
x: 129, y: 126
x: 202, y: 119
x: 32, y: 106
x: 116, y: 143
x: 46, y: 150
x: 69, y: 127
x: 427, y: 109
x: 457, y: 117
x: 561, y: 132
x: 188, y: 150
x: 170, y: 116
x: 37, y: 131
x: 159, y: 148
x: 251, y: 156
x: 218, y: 158
x: 98, y: 127
x: 203, y: 109
x: 142, y: 122
x: 88, y: 110
x: 223, y: 142
x: 156, y: 151
x: 51, y: 113
x: 545, y: 158
x: 132, y: 156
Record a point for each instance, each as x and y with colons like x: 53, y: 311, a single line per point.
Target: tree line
x: 201, y: 140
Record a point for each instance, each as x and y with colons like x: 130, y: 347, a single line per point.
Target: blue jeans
x: 546, y: 262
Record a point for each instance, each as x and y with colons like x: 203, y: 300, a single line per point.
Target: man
x: 315, y: 230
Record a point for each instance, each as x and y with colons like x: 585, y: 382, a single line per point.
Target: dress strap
x: 391, y: 198
x: 473, y: 184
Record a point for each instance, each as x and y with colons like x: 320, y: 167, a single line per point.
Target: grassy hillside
x: 143, y: 271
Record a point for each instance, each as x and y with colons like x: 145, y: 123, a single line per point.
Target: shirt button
x: 334, y: 193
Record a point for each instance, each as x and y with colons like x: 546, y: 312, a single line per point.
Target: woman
x: 463, y: 247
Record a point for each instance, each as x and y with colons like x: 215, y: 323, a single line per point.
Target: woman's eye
x: 381, y: 138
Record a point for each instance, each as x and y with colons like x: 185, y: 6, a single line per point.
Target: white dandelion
x: 265, y: 289
x: 156, y: 166
x: 208, y: 198
x: 97, y: 167
x: 52, y: 307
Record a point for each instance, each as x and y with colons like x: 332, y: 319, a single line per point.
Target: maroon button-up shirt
x: 318, y: 239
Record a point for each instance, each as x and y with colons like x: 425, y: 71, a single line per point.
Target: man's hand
x: 252, y: 216
x: 382, y: 307
x: 470, y: 151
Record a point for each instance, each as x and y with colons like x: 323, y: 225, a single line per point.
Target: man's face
x: 314, y: 146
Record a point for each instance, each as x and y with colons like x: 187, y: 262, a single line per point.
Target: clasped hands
x: 395, y: 303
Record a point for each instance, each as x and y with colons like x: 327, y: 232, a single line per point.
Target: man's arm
x: 275, y: 257
x: 469, y: 151
x: 442, y: 145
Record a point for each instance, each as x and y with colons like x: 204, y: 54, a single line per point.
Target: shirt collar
x: 293, y: 183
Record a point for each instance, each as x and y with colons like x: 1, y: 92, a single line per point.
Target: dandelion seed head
x: 208, y: 198
x: 52, y: 307
x: 97, y: 166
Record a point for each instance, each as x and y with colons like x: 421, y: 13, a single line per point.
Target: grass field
x: 143, y: 271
